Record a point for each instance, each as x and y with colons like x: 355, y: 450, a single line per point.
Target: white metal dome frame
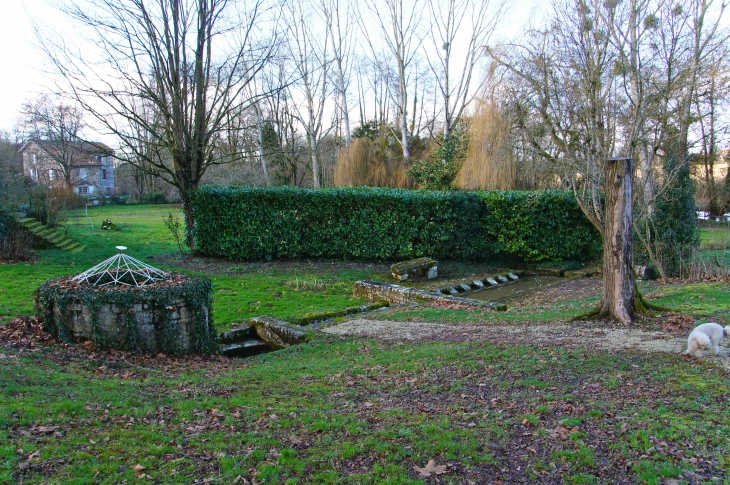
x: 121, y: 269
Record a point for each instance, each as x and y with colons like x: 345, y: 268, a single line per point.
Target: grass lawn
x: 345, y: 410
x: 246, y: 291
x: 358, y: 411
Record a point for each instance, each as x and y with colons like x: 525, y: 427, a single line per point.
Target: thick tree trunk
x: 619, y: 282
x: 189, y: 220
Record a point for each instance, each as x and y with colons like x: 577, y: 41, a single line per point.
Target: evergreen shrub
x: 254, y: 223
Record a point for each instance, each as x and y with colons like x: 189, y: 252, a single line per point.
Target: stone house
x: 86, y: 167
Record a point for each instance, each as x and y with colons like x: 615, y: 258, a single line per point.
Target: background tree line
x: 417, y: 93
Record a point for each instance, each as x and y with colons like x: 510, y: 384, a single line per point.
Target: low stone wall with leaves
x: 251, y: 223
x: 173, y: 316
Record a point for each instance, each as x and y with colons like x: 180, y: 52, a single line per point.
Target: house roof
x: 81, y: 153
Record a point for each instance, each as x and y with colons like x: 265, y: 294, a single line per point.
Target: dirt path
x: 583, y: 334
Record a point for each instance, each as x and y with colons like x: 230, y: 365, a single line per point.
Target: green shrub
x: 438, y: 171
x: 253, y: 223
x: 153, y: 198
x: 676, y: 233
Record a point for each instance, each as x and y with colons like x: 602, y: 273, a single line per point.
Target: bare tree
x: 398, y: 23
x: 58, y: 123
x: 339, y: 21
x: 311, y: 59
x: 566, y: 74
x: 182, y: 58
x: 460, y: 32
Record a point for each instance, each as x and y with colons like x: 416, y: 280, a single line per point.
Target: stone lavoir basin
x: 513, y: 288
x: 123, y: 303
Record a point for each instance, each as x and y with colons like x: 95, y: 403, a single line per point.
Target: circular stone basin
x: 169, y: 316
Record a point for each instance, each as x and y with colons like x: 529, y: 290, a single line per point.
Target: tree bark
x: 189, y: 219
x: 619, y: 282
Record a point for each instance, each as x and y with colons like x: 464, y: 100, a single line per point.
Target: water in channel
x: 513, y: 288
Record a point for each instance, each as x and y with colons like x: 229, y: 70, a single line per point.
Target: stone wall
x: 398, y: 294
x: 147, y: 329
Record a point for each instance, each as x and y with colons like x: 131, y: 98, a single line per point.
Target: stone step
x: 67, y: 245
x: 33, y: 226
x: 245, y: 348
x: 49, y: 235
x: 45, y: 233
x: 56, y: 238
x: 243, y: 332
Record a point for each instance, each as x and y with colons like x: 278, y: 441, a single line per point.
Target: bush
x: 439, y: 170
x: 49, y: 205
x: 15, y: 242
x: 676, y: 235
x: 153, y: 198
x: 250, y: 223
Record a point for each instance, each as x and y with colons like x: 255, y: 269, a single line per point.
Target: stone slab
x: 243, y: 331
x: 278, y: 333
x: 247, y: 347
x: 415, y: 268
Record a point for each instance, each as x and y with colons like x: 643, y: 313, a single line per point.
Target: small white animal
x: 705, y: 337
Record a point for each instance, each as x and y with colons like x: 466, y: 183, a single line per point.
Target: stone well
x: 166, y: 312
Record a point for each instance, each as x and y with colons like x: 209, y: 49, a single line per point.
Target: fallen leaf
x: 138, y: 470
x: 430, y: 468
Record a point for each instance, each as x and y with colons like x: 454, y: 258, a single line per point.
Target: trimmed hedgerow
x: 252, y: 223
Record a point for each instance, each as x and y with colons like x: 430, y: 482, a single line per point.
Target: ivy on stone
x: 195, y: 291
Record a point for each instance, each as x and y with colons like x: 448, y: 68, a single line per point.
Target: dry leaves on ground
x: 26, y: 332
x: 430, y: 469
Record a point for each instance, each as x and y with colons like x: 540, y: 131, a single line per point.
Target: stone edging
x: 491, y: 281
x: 401, y: 294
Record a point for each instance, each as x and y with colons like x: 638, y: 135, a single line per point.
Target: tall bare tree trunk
x: 619, y: 283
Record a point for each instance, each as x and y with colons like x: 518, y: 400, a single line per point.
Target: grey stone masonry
x: 401, y: 294
x: 148, y: 322
x: 278, y: 333
x: 423, y: 268
x: 243, y: 331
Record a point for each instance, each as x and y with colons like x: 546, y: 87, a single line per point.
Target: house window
x: 103, y: 174
x: 34, y: 160
x: 83, y: 190
x: 83, y: 173
x: 52, y: 174
x: 108, y: 191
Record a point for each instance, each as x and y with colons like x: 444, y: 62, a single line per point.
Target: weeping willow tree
x: 497, y: 158
x: 489, y: 163
x: 367, y: 162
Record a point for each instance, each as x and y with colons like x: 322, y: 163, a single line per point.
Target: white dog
x: 705, y: 337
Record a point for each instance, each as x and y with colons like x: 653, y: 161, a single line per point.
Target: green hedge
x: 250, y: 223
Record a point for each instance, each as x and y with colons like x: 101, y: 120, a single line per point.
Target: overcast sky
x: 23, y: 64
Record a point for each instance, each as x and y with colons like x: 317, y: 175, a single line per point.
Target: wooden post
x: 619, y: 282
